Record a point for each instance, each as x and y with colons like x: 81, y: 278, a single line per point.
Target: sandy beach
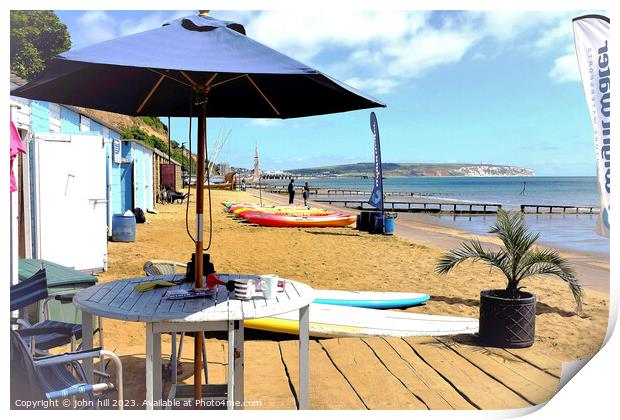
x: 340, y: 258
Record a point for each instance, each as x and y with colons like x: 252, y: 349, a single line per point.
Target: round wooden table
x: 223, y: 312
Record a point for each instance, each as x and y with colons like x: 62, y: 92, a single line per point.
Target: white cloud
x: 305, y: 34
x: 561, y: 34
x: 149, y: 21
x: 378, y: 85
x: 565, y: 69
x: 376, y: 51
x: 265, y: 122
x: 507, y: 25
x: 428, y: 49
x: 95, y: 26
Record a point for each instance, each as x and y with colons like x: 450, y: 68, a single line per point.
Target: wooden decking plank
x: 265, y: 376
x: 421, y: 379
x: 475, y: 385
x: 540, y: 360
x: 376, y: 385
x: 531, y: 383
x: 329, y: 389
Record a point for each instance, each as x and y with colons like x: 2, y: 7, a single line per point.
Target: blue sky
x: 493, y: 87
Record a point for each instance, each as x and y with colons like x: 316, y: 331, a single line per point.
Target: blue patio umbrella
x: 154, y: 72
x: 195, y: 66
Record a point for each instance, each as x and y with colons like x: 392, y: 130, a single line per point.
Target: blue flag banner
x: 376, y: 198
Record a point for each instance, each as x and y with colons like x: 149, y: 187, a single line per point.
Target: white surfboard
x: 343, y: 321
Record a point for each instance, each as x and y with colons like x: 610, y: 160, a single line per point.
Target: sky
x: 460, y: 87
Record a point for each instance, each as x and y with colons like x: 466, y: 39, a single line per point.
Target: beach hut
x: 167, y: 173
x: 118, y: 174
x: 132, y: 177
x: 62, y: 210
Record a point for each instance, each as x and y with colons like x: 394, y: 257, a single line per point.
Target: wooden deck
x: 417, y: 373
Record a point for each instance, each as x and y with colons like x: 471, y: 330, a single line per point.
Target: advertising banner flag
x: 376, y: 198
x: 592, y: 47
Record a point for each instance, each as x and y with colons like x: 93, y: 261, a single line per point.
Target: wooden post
x: 198, y: 268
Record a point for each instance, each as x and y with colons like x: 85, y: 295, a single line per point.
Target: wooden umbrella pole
x: 200, y: 176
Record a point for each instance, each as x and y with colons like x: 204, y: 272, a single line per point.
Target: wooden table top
x: 118, y: 300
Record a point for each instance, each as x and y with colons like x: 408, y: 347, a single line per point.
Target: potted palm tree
x: 507, y: 316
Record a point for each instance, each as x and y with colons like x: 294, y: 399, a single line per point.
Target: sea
x: 566, y: 231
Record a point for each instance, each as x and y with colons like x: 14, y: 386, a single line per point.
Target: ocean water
x: 573, y: 232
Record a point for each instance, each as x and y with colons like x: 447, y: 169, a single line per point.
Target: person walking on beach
x: 291, y: 191
x: 243, y: 184
x: 306, y: 193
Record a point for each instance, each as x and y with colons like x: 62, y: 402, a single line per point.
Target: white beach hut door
x: 71, y: 200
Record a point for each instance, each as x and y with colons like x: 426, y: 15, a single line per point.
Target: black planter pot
x: 506, y: 321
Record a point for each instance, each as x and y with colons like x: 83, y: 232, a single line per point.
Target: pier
x: 387, y: 194
x: 426, y: 207
x: 342, y: 192
x: 284, y: 190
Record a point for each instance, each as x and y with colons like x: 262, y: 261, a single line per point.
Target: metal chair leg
x: 100, y: 328
x: 204, y: 359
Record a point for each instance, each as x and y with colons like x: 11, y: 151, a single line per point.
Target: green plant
x: 153, y: 141
x: 518, y: 259
x: 156, y: 123
x: 36, y: 37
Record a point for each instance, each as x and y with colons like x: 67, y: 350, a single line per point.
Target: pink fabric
x: 16, y: 147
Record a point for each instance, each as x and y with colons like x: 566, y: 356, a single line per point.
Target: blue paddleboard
x: 377, y: 300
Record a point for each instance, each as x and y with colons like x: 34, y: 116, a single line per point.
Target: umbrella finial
x: 203, y: 12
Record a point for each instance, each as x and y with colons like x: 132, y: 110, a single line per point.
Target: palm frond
x: 518, y: 259
x: 548, y: 262
x: 511, y: 229
x: 473, y: 250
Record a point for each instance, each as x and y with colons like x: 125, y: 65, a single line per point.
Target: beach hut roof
x: 17, y: 82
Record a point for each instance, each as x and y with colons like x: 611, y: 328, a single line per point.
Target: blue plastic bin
x: 389, y: 224
x: 123, y: 228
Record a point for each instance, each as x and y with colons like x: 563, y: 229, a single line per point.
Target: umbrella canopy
x: 195, y: 66
x: 154, y: 72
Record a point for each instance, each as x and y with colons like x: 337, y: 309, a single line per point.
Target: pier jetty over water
x: 422, y: 207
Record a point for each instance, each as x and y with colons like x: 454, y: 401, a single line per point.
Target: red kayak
x: 250, y: 212
x: 283, y: 220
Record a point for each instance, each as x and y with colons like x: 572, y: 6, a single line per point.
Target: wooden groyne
x: 427, y: 207
x: 558, y: 209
